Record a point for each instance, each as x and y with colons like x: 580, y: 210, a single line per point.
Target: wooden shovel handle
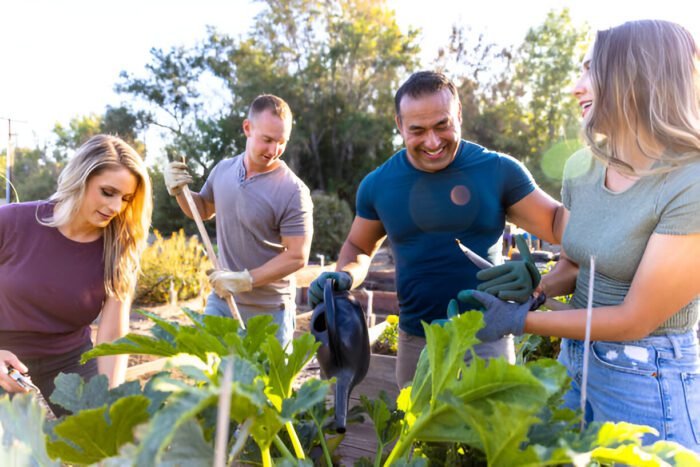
x: 210, y: 250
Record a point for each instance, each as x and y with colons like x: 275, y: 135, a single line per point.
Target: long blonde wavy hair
x: 125, y: 236
x: 646, y: 82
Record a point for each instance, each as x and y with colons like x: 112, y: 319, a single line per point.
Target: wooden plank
x: 308, y: 273
x: 135, y: 371
x: 376, y: 331
x: 381, y: 376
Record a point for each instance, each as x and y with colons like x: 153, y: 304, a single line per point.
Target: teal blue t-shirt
x: 423, y: 213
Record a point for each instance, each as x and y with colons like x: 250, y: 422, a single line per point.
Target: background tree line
x: 338, y: 63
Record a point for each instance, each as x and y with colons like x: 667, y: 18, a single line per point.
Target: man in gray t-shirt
x: 263, y: 219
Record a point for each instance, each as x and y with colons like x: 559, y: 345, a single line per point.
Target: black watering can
x: 338, y: 323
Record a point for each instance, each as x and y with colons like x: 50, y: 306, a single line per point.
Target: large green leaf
x: 500, y: 441
x: 22, y: 441
x: 443, y: 357
x: 443, y: 382
x: 188, y: 448
x: 179, y: 409
x: 266, y: 426
x: 132, y: 344
x: 74, y: 394
x: 284, y: 367
x: 309, y: 394
x: 94, y: 434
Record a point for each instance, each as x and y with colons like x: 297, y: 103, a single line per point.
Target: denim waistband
x: 673, y: 342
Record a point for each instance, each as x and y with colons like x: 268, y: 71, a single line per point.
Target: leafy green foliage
x: 262, y: 397
x: 332, y: 221
x: 175, y: 266
x: 450, y: 402
x: 93, y: 434
x: 34, y: 174
x: 386, y: 419
x: 352, y: 51
x: 21, y: 437
x: 388, y: 341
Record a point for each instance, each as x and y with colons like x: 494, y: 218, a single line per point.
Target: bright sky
x: 62, y: 59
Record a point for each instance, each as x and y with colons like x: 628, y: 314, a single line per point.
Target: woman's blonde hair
x: 125, y: 236
x: 645, y: 80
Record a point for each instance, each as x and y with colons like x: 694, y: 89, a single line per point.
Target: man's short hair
x: 421, y: 83
x: 274, y: 104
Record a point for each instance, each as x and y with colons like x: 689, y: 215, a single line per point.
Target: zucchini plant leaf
x: 500, y: 441
x: 74, y: 394
x: 94, y: 434
x: 265, y: 427
x: 283, y: 367
x: 188, y: 447
x: 385, y: 417
x: 305, y: 398
x: 22, y: 440
x: 178, y: 409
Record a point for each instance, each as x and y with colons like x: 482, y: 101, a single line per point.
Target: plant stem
x: 298, y: 450
x: 282, y: 448
x: 324, y: 445
x: 404, y: 443
x: 266, y: 459
x: 380, y: 451
x: 243, y: 432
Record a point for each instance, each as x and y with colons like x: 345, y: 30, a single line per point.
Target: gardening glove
x: 176, y: 177
x: 225, y: 282
x: 514, y: 280
x: 501, y: 318
x: 341, y: 281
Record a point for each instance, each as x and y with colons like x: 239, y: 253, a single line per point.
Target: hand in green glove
x: 341, y: 281
x: 514, y: 280
x: 500, y: 318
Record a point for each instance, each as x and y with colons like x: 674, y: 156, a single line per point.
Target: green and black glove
x: 513, y: 281
x: 341, y: 281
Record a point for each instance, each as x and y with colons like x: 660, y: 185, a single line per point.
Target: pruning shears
x: 23, y: 380
x: 482, y: 263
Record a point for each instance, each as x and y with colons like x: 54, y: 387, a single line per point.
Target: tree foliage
x: 336, y: 62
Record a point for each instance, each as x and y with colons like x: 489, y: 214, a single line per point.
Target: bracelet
x: 538, y: 301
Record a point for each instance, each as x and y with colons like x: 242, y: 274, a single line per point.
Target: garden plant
x: 481, y: 414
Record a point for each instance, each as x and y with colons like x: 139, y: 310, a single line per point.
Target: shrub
x: 332, y: 220
x: 178, y: 260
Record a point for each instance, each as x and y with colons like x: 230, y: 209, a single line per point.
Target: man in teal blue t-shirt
x: 437, y: 189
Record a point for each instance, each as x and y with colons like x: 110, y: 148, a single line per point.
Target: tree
x: 118, y: 121
x: 34, y: 174
x: 518, y: 101
x: 548, y: 62
x: 336, y: 62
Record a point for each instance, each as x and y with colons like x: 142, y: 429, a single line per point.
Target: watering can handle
x: 329, y: 301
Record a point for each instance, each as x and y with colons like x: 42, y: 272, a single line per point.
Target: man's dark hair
x: 422, y: 83
x: 274, y: 104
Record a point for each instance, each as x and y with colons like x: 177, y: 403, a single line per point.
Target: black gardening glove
x: 341, y: 281
x: 514, y: 280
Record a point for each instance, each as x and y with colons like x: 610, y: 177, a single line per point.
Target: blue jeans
x: 285, y: 316
x: 654, y: 381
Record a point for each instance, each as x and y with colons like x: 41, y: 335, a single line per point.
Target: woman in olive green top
x: 633, y: 202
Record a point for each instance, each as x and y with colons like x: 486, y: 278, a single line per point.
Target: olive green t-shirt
x: 615, y: 227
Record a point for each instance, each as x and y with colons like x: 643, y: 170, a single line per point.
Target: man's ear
x: 247, y: 127
x: 397, y: 120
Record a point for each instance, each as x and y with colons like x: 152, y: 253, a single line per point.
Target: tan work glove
x: 225, y: 282
x: 176, y: 177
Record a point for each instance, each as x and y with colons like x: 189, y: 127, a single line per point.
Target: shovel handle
x: 210, y: 249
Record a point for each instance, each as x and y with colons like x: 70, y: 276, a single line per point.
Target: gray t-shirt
x: 249, y: 212
x: 616, y: 226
